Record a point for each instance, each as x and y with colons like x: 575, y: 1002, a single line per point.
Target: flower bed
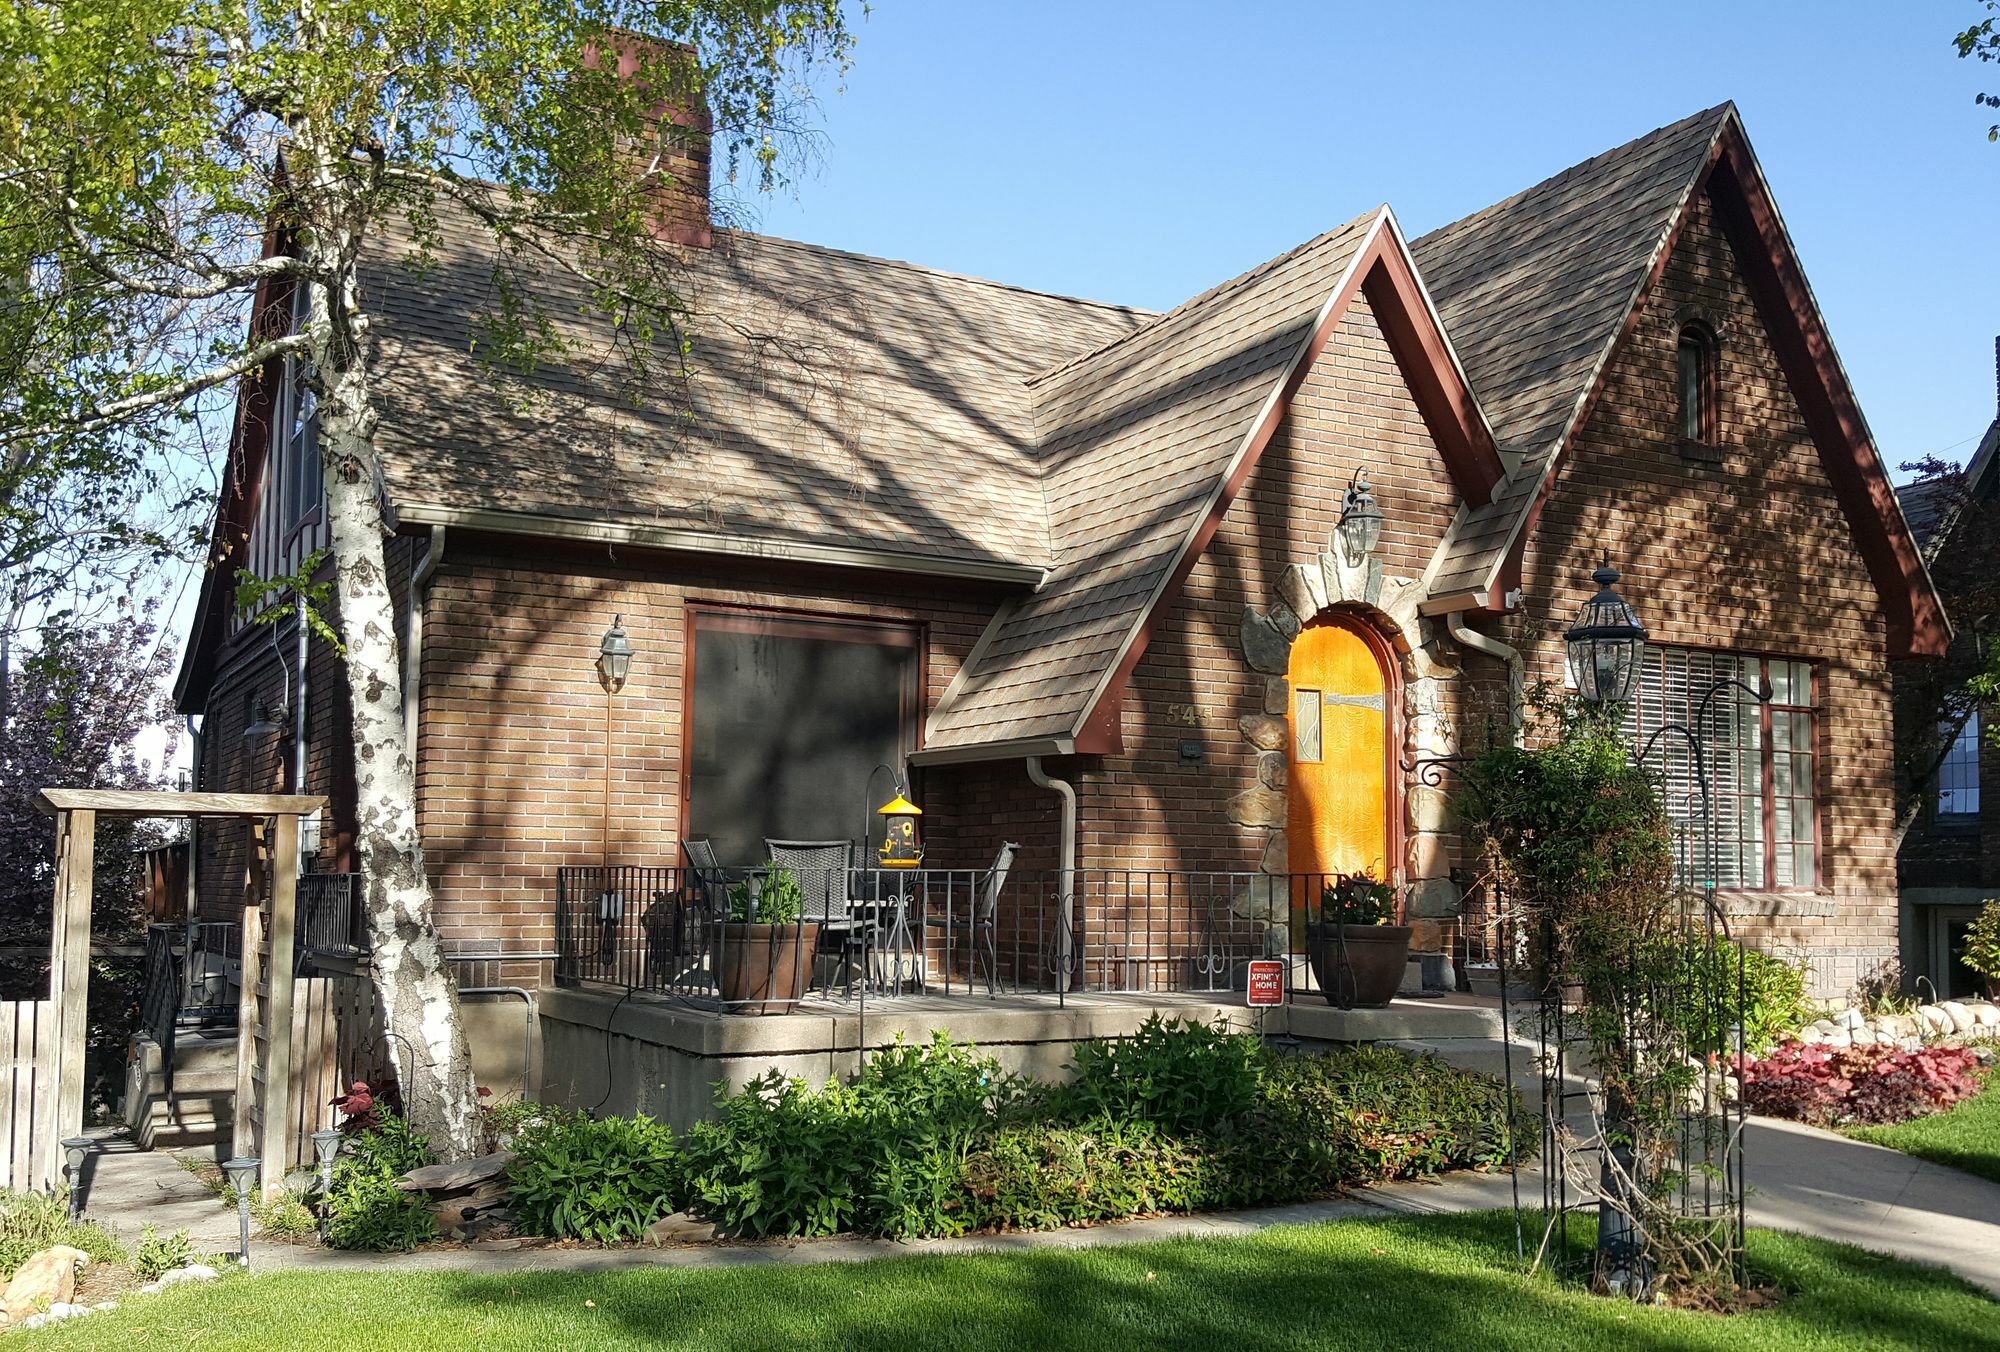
x: 1858, y: 1085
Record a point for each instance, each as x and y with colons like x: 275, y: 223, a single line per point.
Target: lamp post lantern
x: 242, y: 1171
x: 614, y: 656
x: 1605, y: 644
x: 75, y: 1150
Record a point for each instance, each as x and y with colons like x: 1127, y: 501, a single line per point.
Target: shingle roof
x: 1534, y: 292
x: 832, y: 397
x: 836, y: 396
x: 1137, y: 439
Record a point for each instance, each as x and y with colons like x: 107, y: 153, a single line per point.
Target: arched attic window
x: 1695, y: 356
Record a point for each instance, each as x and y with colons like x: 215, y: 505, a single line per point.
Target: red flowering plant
x: 362, y: 1108
x: 1851, y: 1086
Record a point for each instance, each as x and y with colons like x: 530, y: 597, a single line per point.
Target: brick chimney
x: 680, y: 212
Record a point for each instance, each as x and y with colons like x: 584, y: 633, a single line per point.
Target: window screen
x: 789, y: 719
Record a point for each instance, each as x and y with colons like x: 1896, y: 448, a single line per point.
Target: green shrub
x: 1369, y: 1113
x: 1982, y: 944
x: 364, y: 1207
x: 1039, y: 1176
x: 1699, y: 979
x: 286, y: 1216
x: 605, y: 1180
x: 158, y: 1253
x: 1178, y: 1075
x: 31, y: 1222
x: 519, y: 1120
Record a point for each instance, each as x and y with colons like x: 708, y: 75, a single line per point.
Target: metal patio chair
x: 985, y: 926
x: 821, y: 866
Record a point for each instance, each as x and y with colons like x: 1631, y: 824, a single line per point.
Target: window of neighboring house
x: 788, y: 720
x: 1762, y: 764
x: 300, y: 478
x: 1696, y: 359
x: 1958, y: 774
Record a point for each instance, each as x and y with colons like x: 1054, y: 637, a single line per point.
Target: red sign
x: 1267, y: 982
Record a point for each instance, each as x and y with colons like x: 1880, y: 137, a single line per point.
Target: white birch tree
x: 168, y: 160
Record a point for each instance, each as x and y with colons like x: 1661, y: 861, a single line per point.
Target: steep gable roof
x: 1535, y: 292
x: 1146, y: 441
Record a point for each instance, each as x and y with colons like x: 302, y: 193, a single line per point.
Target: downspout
x: 192, y: 883
x: 1067, y: 862
x: 1456, y: 626
x: 413, y: 640
x: 299, y: 730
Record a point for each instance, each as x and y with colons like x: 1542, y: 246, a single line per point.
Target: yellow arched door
x: 1338, y: 815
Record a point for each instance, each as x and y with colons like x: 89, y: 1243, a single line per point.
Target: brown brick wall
x: 1143, y: 808
x: 1751, y: 554
x: 512, y: 772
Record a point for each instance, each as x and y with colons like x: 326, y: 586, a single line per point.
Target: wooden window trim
x: 1705, y: 442
x: 912, y: 635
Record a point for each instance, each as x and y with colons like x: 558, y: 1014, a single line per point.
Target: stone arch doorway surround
x: 1418, y: 665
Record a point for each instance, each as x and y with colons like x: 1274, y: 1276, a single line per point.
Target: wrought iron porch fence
x: 662, y: 930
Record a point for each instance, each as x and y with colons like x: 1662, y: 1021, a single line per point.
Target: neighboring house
x: 1950, y: 859
x: 1077, y: 565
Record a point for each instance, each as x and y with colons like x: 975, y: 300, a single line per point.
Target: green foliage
x: 364, y: 1207
x: 1982, y: 40
x: 288, y: 595
x: 1569, y: 816
x: 1178, y: 1075
x: 1982, y: 943
x: 285, y: 1216
x: 1357, y: 900
x: 604, y: 1180
x: 157, y: 1253
x: 31, y: 1222
x: 780, y: 902
x: 518, y: 1121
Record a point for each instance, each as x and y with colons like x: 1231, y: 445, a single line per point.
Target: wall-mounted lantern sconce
x: 1360, y: 526
x: 614, y: 657
x: 1605, y: 644
x: 266, y: 726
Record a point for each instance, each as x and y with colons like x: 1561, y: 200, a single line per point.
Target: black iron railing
x: 934, y: 932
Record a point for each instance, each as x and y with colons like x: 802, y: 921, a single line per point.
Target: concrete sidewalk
x: 1813, y: 1182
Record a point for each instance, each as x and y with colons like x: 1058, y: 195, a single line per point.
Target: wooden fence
x: 27, y: 1095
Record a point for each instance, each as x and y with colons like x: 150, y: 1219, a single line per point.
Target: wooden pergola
x: 265, y: 1008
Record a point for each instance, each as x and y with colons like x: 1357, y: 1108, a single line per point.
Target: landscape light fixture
x: 614, y: 657
x: 75, y: 1150
x: 242, y: 1171
x: 1360, y: 527
x: 1605, y: 644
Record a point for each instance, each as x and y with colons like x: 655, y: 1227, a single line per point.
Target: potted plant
x: 1357, y: 951
x: 767, y: 949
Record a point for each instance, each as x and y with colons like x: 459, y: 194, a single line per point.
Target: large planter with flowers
x: 1357, y: 953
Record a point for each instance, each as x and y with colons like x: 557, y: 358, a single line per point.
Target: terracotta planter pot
x: 764, y: 969
x: 1358, y: 965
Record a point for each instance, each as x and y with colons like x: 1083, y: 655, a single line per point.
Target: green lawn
x: 1435, y: 1284
x: 1967, y: 1137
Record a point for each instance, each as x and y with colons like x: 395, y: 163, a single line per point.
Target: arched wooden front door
x: 1338, y: 813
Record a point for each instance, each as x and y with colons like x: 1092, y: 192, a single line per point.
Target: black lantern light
x: 1605, y: 644
x: 1360, y: 521
x: 902, y: 846
x: 614, y: 658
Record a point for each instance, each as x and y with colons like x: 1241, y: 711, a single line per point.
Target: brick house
x: 1077, y: 566
x: 1950, y: 859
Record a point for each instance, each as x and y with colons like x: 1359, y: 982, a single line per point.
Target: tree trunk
x: 413, y: 982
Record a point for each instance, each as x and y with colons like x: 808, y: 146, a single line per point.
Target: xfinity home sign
x: 1267, y: 983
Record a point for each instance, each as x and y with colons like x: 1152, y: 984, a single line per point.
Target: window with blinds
x: 1761, y: 763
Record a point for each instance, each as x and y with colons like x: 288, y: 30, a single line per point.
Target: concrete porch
x: 640, y: 1053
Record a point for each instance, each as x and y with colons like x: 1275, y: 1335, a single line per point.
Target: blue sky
x: 1143, y: 152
